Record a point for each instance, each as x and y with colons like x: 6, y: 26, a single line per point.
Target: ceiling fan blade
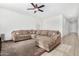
x: 41, y: 10
x: 33, y: 5
x: 41, y: 6
x: 36, y: 6
x: 30, y: 8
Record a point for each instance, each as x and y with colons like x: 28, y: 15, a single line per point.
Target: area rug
x: 39, y: 51
x: 8, y: 50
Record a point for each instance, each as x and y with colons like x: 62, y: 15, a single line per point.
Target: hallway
x: 68, y: 47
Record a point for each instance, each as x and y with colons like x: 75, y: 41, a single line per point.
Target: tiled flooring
x: 68, y: 47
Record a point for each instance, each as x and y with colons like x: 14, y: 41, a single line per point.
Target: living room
x: 59, y: 17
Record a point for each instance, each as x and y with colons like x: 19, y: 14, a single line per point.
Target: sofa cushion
x: 29, y: 31
x: 45, y: 42
x: 24, y: 31
x: 33, y: 31
x: 38, y: 32
x: 22, y: 37
x: 33, y: 36
x: 20, y: 32
x: 17, y: 33
x: 51, y: 33
x: 44, y: 32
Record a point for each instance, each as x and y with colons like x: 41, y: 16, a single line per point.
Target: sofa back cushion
x: 22, y: 38
x: 25, y: 32
x: 38, y: 32
x: 44, y: 32
x: 52, y: 33
x: 30, y: 31
x: 33, y: 31
x: 21, y: 32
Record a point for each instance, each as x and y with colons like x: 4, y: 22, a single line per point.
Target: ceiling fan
x: 36, y: 7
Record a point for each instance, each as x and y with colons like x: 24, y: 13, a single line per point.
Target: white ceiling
x: 50, y: 9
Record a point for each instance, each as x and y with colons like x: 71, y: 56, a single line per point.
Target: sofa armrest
x: 13, y: 35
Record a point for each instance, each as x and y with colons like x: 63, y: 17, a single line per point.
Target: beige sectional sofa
x: 45, y: 39
x: 30, y: 42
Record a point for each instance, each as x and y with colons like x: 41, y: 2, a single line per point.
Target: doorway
x: 70, y: 25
